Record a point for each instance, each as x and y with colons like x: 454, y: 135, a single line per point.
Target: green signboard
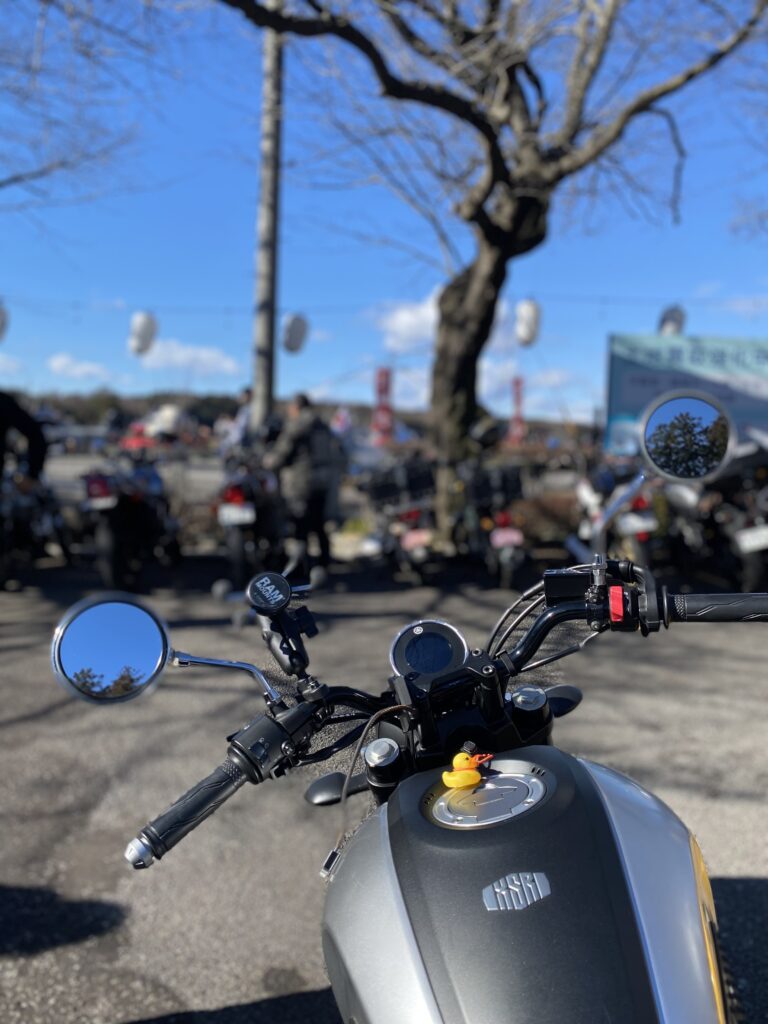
x: 642, y: 367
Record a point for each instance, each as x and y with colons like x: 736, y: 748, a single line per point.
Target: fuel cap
x: 510, y: 789
x: 269, y: 593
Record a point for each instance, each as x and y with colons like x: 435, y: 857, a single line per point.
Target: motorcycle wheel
x: 508, y: 573
x: 237, y: 556
x: 5, y: 554
x: 752, y: 575
x: 171, y: 553
x: 61, y: 534
x: 111, y: 561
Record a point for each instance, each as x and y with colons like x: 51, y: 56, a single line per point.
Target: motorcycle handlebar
x: 718, y: 607
x: 189, y: 811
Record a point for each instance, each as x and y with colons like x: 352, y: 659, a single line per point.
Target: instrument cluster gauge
x: 428, y: 650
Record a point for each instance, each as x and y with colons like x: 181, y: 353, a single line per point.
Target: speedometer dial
x: 428, y: 648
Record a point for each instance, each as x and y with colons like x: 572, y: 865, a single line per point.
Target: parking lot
x: 226, y: 929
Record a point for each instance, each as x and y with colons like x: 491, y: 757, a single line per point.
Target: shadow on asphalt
x: 742, y: 915
x: 301, y: 1008
x: 739, y: 900
x: 34, y: 920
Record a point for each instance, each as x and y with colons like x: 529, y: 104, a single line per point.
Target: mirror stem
x: 621, y: 501
x: 270, y: 694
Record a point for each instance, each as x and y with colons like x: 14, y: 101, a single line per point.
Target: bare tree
x: 508, y: 101
x: 67, y: 68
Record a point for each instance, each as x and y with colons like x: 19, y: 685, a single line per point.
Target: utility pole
x: 267, y: 225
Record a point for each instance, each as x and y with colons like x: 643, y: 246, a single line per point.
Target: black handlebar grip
x: 718, y: 607
x: 189, y: 811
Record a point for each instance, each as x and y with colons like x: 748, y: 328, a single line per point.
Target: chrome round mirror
x: 109, y: 648
x: 686, y: 437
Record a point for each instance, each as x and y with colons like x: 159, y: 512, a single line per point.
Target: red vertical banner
x: 383, y: 422
x: 516, y: 433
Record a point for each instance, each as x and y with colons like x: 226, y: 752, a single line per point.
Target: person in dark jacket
x: 12, y: 416
x: 305, y: 455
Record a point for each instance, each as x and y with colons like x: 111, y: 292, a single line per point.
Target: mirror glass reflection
x: 112, y: 651
x: 687, y: 438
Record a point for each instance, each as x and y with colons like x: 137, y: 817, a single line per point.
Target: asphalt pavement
x: 226, y: 929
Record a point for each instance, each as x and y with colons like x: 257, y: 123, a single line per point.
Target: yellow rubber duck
x: 464, y: 772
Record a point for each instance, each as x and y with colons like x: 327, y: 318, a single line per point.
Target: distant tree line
x: 93, y: 408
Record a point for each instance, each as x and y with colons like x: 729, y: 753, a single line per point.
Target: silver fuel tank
x: 555, y: 892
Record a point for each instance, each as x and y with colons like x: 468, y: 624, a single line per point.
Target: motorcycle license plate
x: 636, y: 522
x: 753, y: 538
x: 414, y: 539
x: 100, y: 504
x: 237, y: 515
x: 506, y: 538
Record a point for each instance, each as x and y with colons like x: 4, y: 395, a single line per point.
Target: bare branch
x: 541, y: 105
x: 409, y: 36
x: 606, y: 135
x: 588, y: 57
x: 64, y: 73
x: 491, y: 16
x: 396, y: 175
x: 677, y: 142
x: 369, y: 238
x: 36, y: 173
x: 426, y: 93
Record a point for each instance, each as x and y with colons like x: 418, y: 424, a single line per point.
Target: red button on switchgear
x: 616, y: 603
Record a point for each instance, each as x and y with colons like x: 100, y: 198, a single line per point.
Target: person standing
x: 239, y: 429
x: 305, y: 455
x: 13, y: 417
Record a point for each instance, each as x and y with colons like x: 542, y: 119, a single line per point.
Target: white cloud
x: 111, y: 304
x: 170, y: 354
x: 707, y: 289
x: 572, y: 407
x: 494, y: 381
x: 553, y: 394
x: 551, y: 379
x: 64, y: 364
x: 412, y: 387
x: 410, y: 325
x: 503, y: 333
x: 749, y: 306
x: 407, y: 325
x: 9, y: 365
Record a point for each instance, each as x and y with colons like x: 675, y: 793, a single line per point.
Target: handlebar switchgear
x: 262, y: 748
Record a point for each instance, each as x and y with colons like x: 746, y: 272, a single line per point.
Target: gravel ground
x: 226, y: 929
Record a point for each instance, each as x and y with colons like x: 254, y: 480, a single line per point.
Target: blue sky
x: 174, y: 231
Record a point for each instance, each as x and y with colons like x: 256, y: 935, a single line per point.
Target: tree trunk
x: 467, y: 308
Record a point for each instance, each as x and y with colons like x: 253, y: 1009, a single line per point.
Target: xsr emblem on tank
x: 516, y: 891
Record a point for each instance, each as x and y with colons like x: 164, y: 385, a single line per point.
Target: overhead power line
x: 52, y: 306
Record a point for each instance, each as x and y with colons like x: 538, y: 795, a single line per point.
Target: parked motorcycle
x: 486, y: 530
x: 127, y: 510
x: 402, y: 498
x: 250, y: 514
x: 499, y: 878
x: 31, y: 526
x: 617, y: 516
x: 740, y: 518
x: 723, y: 530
